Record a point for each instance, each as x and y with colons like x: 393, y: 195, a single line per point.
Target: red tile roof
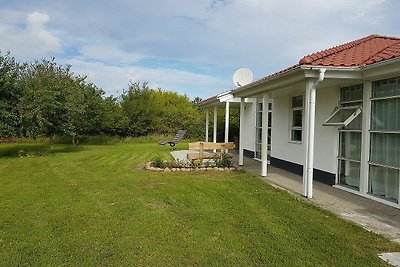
x: 359, y: 53
x: 356, y: 54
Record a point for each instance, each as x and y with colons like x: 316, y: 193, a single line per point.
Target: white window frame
x: 296, y: 128
x: 376, y: 164
x: 350, y: 118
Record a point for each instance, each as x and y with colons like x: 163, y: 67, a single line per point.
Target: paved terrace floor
x: 370, y: 214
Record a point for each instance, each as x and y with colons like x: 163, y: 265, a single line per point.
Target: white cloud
x: 36, y: 29
x: 31, y: 41
x: 113, y: 79
x: 108, y: 53
x: 206, y: 39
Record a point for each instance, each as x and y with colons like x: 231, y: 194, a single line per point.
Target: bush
x: 223, y: 160
x: 158, y: 162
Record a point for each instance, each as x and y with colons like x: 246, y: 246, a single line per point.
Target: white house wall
x: 249, y: 127
x: 326, y: 138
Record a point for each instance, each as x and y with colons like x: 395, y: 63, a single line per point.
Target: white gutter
x: 310, y: 115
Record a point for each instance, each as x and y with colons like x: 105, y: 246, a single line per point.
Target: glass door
x: 259, y: 130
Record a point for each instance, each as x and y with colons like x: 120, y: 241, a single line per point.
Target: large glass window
x: 347, y: 117
x: 384, y: 170
x: 296, y: 129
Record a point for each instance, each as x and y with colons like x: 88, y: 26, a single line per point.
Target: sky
x: 192, y: 47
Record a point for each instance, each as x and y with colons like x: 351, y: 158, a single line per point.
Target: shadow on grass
x: 16, y: 150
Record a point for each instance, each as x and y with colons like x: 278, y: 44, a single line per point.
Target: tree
x: 46, y: 104
x: 138, y: 105
x: 114, y: 120
x: 176, y: 112
x: 10, y: 92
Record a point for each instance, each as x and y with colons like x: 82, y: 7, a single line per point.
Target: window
x: 343, y: 116
x: 346, y: 116
x: 296, y: 129
x: 384, y: 164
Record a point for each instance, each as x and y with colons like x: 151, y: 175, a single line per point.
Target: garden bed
x: 150, y: 166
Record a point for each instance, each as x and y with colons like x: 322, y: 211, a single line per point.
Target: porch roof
x: 220, y: 100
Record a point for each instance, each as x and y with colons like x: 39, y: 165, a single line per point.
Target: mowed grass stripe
x: 94, y: 206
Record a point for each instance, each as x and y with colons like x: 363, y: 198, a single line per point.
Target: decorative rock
x: 149, y: 167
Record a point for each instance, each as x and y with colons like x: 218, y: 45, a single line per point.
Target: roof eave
x: 244, y: 91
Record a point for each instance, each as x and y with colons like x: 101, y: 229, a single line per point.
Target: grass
x: 95, y: 206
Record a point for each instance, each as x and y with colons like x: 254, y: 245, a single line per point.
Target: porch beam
x: 241, y: 131
x: 264, y: 133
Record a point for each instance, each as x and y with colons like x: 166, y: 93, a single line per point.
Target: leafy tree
x: 45, y: 106
x: 176, y: 112
x: 138, y: 105
x: 10, y: 121
x: 114, y: 120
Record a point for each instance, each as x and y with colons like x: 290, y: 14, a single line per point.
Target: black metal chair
x: 179, y: 135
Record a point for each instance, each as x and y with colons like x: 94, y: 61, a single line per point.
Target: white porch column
x: 264, y: 133
x: 308, y: 138
x: 241, y: 131
x: 207, y: 122
x: 365, y: 139
x: 226, y: 122
x: 215, y: 124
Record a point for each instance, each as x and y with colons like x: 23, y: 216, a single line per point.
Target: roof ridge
x: 336, y: 49
x: 386, y: 47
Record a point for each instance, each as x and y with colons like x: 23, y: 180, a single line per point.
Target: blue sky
x: 189, y: 46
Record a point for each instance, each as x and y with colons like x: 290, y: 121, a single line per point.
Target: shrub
x: 223, y: 160
x: 158, y: 162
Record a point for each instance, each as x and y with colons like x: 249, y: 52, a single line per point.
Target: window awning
x: 343, y: 116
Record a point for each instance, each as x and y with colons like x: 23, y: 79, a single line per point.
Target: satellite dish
x: 242, y: 77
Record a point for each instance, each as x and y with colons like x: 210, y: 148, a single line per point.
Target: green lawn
x: 93, y: 206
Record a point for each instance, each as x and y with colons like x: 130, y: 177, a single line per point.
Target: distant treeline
x: 43, y: 98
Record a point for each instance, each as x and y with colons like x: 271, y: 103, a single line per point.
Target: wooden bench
x: 203, y: 146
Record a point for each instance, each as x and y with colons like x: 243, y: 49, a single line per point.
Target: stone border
x: 187, y: 169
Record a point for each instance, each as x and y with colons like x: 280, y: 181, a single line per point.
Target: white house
x: 333, y: 117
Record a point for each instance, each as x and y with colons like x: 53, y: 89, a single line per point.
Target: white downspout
x: 310, y: 132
